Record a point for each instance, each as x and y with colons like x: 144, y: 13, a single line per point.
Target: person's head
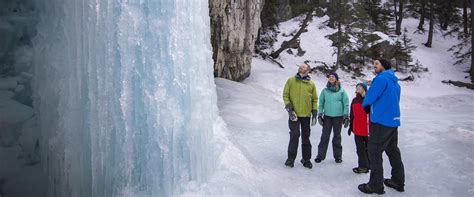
x: 333, y: 78
x: 304, y: 69
x: 381, y: 65
x: 361, y: 89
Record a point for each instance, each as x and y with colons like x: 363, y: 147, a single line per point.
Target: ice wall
x: 125, y: 94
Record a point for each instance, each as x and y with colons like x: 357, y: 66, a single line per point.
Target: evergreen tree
x: 403, y: 49
x: 361, y: 32
x: 341, y: 19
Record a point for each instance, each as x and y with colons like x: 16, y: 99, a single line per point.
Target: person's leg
x: 378, y: 140
x: 361, y: 151
x: 395, y: 158
x: 336, y: 139
x: 294, y: 139
x: 366, y: 150
x: 324, y: 141
x: 305, y: 133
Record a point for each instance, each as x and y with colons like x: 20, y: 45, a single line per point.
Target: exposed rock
x: 234, y: 30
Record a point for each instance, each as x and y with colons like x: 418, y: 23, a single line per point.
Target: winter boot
x: 290, y: 163
x: 366, y: 189
x: 318, y: 160
x: 360, y: 170
x: 307, y: 163
x: 392, y: 184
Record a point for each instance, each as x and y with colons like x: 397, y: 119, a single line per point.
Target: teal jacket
x: 334, y: 104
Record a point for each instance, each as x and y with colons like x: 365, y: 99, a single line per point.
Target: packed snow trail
x: 436, y: 140
x: 436, y: 137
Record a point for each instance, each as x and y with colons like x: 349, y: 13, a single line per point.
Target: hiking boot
x: 338, y: 160
x: 318, y: 160
x: 290, y: 163
x: 360, y: 170
x: 390, y: 183
x: 366, y: 189
x: 307, y: 163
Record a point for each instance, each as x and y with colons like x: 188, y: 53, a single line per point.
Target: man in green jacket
x: 333, y: 112
x: 301, y: 102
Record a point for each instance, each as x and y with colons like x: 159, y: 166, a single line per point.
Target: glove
x: 320, y: 119
x: 291, y: 114
x: 314, y: 118
x: 367, y: 109
x: 345, y: 121
x: 349, y: 131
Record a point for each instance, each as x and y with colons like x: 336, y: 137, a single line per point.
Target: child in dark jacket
x: 359, y: 126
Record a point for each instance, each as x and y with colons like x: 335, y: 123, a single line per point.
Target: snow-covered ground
x: 436, y: 137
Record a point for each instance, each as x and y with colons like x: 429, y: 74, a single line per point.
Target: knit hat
x: 335, y: 75
x: 364, y: 85
x: 385, y: 63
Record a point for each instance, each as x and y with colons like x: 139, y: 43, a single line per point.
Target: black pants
x: 361, y: 146
x: 382, y: 139
x: 334, y: 124
x: 304, y: 123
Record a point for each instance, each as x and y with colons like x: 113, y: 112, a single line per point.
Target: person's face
x: 332, y: 79
x: 360, y: 90
x: 303, y: 69
x: 378, y: 67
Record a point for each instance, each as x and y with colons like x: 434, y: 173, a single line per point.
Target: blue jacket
x: 384, y: 99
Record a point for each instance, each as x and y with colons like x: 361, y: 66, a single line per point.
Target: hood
x: 389, y: 75
x: 305, y: 78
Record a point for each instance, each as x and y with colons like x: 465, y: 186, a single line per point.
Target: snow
x: 436, y: 137
x: 126, y: 110
x: 318, y: 49
x: 384, y: 37
x: 439, y: 62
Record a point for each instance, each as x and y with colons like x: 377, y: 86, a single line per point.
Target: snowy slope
x: 436, y: 136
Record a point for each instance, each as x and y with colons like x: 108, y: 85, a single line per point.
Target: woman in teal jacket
x: 333, y: 112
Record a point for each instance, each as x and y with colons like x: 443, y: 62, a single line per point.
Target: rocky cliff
x: 234, y: 30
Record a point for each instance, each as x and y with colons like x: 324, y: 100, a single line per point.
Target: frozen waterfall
x: 125, y: 95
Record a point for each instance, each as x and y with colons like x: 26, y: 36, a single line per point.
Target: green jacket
x: 334, y: 104
x: 302, y: 96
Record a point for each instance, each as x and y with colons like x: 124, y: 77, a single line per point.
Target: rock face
x: 234, y: 30
x: 276, y: 11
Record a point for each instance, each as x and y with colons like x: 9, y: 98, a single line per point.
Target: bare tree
x: 465, y: 18
x: 446, y: 15
x: 422, y: 15
x: 286, y: 44
x: 471, y: 72
x: 398, y: 16
x: 429, y: 43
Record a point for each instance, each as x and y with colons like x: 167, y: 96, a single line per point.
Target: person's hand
x: 291, y: 114
x: 367, y: 109
x: 314, y: 118
x: 345, y: 121
x: 320, y: 119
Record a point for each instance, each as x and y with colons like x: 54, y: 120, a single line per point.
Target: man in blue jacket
x: 383, y: 98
